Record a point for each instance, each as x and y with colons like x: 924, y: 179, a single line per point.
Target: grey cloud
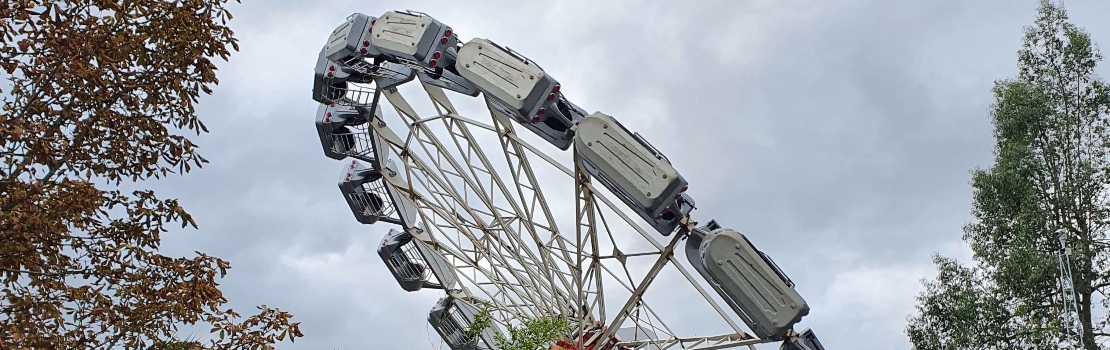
x: 838, y: 135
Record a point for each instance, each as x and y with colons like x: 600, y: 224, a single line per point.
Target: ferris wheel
x: 536, y: 209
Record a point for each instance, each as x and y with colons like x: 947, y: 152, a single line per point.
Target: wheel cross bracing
x: 475, y: 221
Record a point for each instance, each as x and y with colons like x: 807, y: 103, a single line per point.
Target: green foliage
x: 962, y: 310
x: 532, y: 334
x: 1051, y: 172
x: 481, y: 321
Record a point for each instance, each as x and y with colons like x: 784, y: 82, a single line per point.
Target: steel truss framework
x: 494, y: 226
x: 469, y: 191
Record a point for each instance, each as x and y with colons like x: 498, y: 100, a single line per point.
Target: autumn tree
x: 100, y: 94
x: 1050, y: 175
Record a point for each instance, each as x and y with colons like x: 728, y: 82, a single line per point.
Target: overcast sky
x: 838, y: 134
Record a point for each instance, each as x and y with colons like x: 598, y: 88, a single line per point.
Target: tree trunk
x: 1085, y: 321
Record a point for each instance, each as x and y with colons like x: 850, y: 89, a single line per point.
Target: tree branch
x: 62, y: 273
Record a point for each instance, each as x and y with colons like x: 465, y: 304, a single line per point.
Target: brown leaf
x: 104, y: 96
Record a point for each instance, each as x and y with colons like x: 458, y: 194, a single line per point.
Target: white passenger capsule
x: 370, y: 198
x: 349, y: 43
x: 415, y: 38
x: 410, y: 261
x: 520, y: 89
x: 634, y: 170
x: 805, y: 340
x: 747, y: 279
x: 452, y: 317
x: 334, y: 127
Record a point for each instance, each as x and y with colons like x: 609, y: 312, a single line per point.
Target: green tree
x: 1051, y: 173
x: 535, y: 334
x: 95, y: 94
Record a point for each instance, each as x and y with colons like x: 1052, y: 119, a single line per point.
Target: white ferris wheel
x: 481, y: 205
